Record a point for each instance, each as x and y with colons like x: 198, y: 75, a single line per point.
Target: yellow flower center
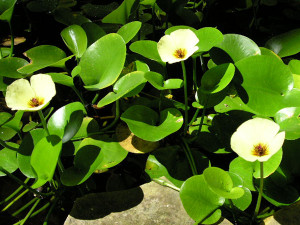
x: 180, y: 53
x: 35, y: 102
x: 260, y: 150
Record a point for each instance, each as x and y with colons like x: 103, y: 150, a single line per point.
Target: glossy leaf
x: 15, y: 122
x: 25, y: 151
x: 93, y: 32
x: 221, y: 183
x: 200, y: 203
x: 285, y: 44
x: 93, y: 154
x: 122, y: 13
x: 44, y: 158
x: 10, y: 65
x: 267, y: 81
x: 61, y: 78
x: 75, y: 38
x: 42, y: 56
x: 123, y: 86
x: 289, y: 121
x: 8, y: 159
x: 147, y: 49
x: 129, y: 30
x: 208, y: 38
x: 217, y: 78
x: 66, y: 121
x: 107, y: 57
x: 233, y: 48
x: 230, y: 103
x: 6, y: 9
x: 6, y: 133
x: 157, y: 81
x: 142, y: 121
x: 88, y: 126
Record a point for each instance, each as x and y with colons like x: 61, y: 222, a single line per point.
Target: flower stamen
x: 180, y: 53
x: 35, y: 102
x: 260, y: 150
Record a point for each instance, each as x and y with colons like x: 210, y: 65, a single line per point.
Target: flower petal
x: 166, y: 48
x: 43, y: 87
x: 18, y: 94
x: 276, y: 143
x: 184, y: 38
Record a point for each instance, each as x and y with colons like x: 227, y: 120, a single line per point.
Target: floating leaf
x: 142, y: 121
x: 75, y: 38
x: 8, y: 159
x: 129, y: 30
x: 102, y: 62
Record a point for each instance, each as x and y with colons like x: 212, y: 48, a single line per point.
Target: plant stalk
x: 185, y: 99
x: 43, y: 121
x: 261, y: 185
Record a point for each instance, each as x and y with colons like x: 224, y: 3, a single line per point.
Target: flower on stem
x: 257, y: 139
x: 33, y: 96
x: 177, y: 46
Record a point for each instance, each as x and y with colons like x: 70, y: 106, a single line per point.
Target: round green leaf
x: 88, y: 126
x: 42, y: 56
x: 157, y: 81
x: 61, y: 78
x: 285, y: 44
x: 173, y: 28
x: 66, y: 121
x: 289, y: 121
x: 199, y: 201
x: 265, y: 51
x: 142, y: 121
x: 129, y: 30
x: 123, y: 86
x: 10, y: 65
x: 93, y: 32
x: 217, y: 78
x: 8, y: 159
x: 147, y: 49
x: 233, y: 48
x: 102, y: 62
x: 25, y: 151
x: 44, y: 158
x: 266, y: 81
x: 75, y: 38
x: 221, y: 183
x: 230, y: 103
x: 208, y: 38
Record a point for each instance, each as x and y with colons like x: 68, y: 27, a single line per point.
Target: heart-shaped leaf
x: 142, y: 121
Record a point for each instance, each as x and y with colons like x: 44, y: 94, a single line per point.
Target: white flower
x: 177, y: 46
x: 33, y: 96
x: 257, y: 139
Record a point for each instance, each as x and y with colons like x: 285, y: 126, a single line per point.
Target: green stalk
x: 185, y: 99
x: 43, y: 121
x: 201, y: 121
x: 30, y: 211
x: 16, y: 199
x: 95, y: 98
x: 50, y: 210
x: 116, y: 117
x: 4, y: 145
x: 194, y: 117
x: 261, y: 185
x: 195, y: 74
x: 25, y: 206
x: 189, y: 156
x: 14, y: 193
x: 79, y: 95
x: 12, y: 40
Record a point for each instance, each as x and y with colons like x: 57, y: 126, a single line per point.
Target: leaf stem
x: 43, y: 121
x: 30, y: 211
x: 25, y: 206
x: 12, y: 40
x: 185, y: 98
x: 194, y: 117
x: 16, y: 199
x: 14, y: 193
x: 195, y: 74
x: 189, y: 156
x: 51, y: 210
x: 4, y: 145
x: 79, y: 96
x: 261, y: 185
x: 116, y: 117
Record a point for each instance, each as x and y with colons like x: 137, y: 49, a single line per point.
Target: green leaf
x: 61, y: 78
x: 25, y: 151
x: 208, y: 38
x: 142, y: 122
x: 68, y: 17
x: 157, y: 81
x: 6, y: 133
x: 107, y: 57
x: 93, y: 32
x: 88, y: 126
x: 93, y: 154
x: 6, y: 9
x: 129, y: 30
x: 289, y: 121
x: 75, y: 38
x: 15, y: 123
x: 8, y: 159
x: 267, y: 82
x: 10, y: 65
x: 44, y: 158
x: 122, y: 13
x: 123, y: 86
x: 230, y: 103
x: 199, y: 201
x: 66, y: 121
x: 285, y: 44
x: 147, y: 49
x: 221, y: 183
x: 217, y: 78
x: 42, y: 56
x: 233, y: 48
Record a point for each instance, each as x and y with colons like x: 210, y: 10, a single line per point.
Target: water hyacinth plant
x: 96, y: 102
